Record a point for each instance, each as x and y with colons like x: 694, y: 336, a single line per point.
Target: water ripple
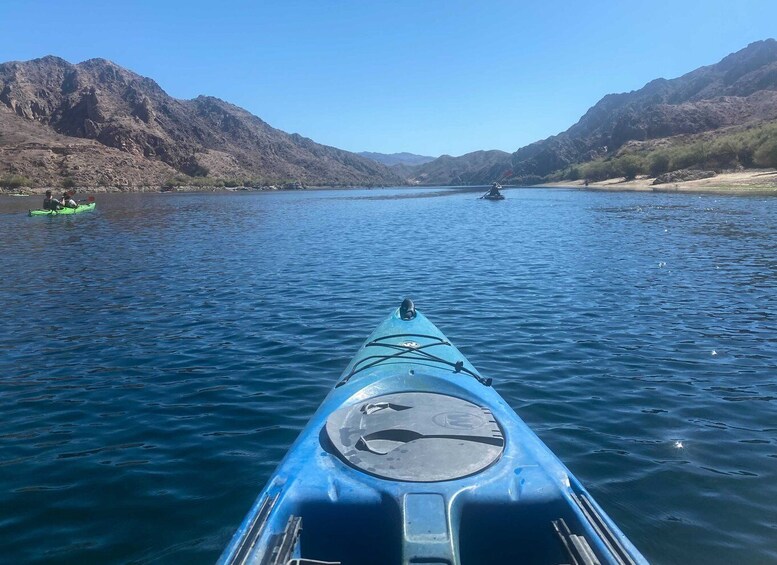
x: 151, y: 384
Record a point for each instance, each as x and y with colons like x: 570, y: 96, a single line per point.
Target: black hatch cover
x: 416, y: 436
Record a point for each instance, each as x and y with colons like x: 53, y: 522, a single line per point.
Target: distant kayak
x: 64, y: 211
x: 493, y: 193
x: 414, y: 458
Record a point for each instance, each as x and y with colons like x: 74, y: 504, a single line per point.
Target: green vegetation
x: 185, y: 180
x: 14, y: 181
x: 68, y: 182
x: 754, y: 147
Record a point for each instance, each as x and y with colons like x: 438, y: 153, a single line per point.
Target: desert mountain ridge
x: 99, y: 124
x: 391, y: 159
x: 95, y: 124
x: 739, y: 90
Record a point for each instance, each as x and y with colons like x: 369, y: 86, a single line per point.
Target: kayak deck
x: 414, y: 458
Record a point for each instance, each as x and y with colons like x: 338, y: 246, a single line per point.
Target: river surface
x: 159, y: 355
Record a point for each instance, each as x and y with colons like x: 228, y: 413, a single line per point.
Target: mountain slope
x: 120, y: 110
x: 100, y: 125
x: 739, y: 90
x: 397, y: 158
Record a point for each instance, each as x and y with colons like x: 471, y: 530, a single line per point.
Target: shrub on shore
x: 12, y: 182
x: 754, y: 147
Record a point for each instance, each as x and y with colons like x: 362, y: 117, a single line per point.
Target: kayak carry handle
x: 407, y: 309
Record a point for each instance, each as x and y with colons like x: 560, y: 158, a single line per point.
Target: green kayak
x: 81, y: 208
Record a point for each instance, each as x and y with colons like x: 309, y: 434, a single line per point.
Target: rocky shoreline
x: 34, y: 191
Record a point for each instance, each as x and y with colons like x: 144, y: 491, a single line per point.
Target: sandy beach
x: 750, y: 181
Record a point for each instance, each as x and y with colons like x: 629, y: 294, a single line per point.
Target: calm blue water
x: 160, y: 355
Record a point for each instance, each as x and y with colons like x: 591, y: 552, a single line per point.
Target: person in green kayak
x: 68, y: 202
x: 51, y: 203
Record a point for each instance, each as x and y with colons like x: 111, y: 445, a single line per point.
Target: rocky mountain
x: 101, y: 125
x: 740, y: 89
x: 397, y: 158
x: 96, y: 124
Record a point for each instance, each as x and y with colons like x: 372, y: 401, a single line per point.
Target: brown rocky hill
x: 740, y: 89
x: 103, y: 125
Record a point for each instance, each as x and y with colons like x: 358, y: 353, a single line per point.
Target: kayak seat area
x: 351, y: 534
x: 513, y: 533
x: 542, y: 533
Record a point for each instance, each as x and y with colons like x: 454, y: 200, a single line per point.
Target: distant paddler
x: 493, y: 193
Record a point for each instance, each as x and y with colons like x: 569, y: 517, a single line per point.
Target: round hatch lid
x: 416, y: 436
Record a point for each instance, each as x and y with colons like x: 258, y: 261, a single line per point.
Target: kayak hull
x: 414, y: 458
x: 64, y: 211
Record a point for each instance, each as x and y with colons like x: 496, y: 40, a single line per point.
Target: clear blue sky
x: 429, y: 77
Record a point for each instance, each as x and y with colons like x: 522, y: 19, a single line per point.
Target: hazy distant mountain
x: 740, y: 89
x: 397, y: 158
x: 100, y: 124
x: 464, y: 170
